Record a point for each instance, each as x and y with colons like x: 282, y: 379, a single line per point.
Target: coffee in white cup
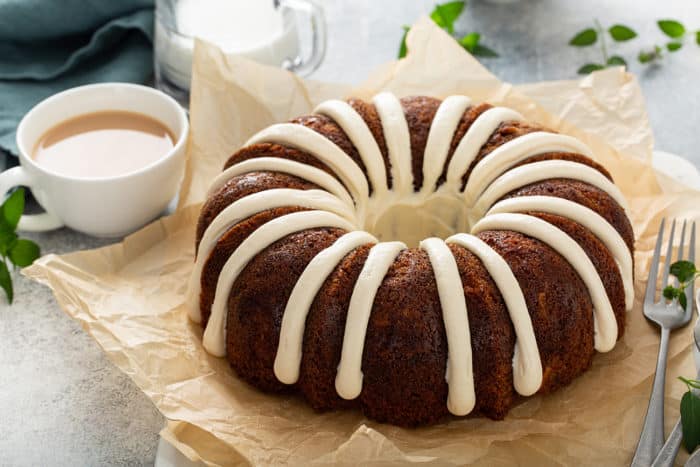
x: 117, y: 199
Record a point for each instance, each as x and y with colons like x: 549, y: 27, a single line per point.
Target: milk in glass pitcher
x: 267, y: 31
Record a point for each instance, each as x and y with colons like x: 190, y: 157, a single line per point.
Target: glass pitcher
x: 267, y: 31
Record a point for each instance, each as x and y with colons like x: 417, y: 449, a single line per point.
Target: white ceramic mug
x: 103, y: 207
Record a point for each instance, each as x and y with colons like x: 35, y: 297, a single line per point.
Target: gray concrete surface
x: 63, y: 403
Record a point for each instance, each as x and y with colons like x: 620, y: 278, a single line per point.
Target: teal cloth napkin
x: 47, y: 46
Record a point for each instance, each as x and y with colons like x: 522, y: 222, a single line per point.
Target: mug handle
x: 17, y: 176
x: 304, y: 66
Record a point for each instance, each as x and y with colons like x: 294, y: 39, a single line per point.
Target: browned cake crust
x: 405, y: 353
x: 258, y: 299
x: 369, y: 114
x: 323, y: 336
x: 558, y: 302
x: 276, y: 150
x: 586, y: 195
x: 419, y: 111
x: 405, y: 349
x: 241, y: 186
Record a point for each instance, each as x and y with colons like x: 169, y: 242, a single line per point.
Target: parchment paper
x: 128, y: 296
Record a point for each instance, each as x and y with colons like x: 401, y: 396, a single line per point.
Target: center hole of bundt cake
x: 438, y: 216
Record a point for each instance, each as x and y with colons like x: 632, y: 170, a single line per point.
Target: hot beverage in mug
x: 103, y: 144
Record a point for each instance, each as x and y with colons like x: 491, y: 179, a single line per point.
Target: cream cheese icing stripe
x: 361, y: 137
x: 477, y: 135
x: 348, y: 381
x: 461, y: 397
x: 440, y: 136
x: 398, y: 140
x: 514, y: 151
x: 246, y: 207
x: 277, y: 164
x: 589, y: 219
x: 325, y: 150
x: 545, y: 170
x: 289, y: 351
x: 605, y: 325
x: 215, y: 332
x: 527, y: 366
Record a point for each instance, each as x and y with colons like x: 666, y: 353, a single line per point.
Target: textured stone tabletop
x: 63, y: 403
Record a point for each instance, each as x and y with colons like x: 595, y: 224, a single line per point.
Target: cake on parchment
x: 412, y: 258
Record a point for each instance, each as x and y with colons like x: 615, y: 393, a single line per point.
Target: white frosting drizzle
x: 527, y: 366
x: 477, y: 135
x: 398, y: 141
x: 589, y: 219
x: 605, y: 325
x: 348, y: 381
x: 325, y: 150
x: 246, y: 207
x: 544, y: 170
x: 514, y: 151
x: 357, y: 130
x: 289, y: 351
x: 440, y: 136
x: 460, y: 378
x: 277, y: 164
x: 215, y: 333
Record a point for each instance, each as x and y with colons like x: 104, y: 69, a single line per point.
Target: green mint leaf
x: 690, y: 421
x: 13, y: 207
x: 24, y: 252
x: 683, y: 301
x: 621, y: 33
x: 6, y: 281
x: 697, y: 37
x: 470, y: 41
x: 670, y: 292
x: 590, y: 68
x: 673, y: 46
x: 7, y: 237
x: 616, y: 60
x: 645, y: 57
x: 444, y: 15
x: 584, y: 38
x: 671, y: 28
x: 483, y: 51
x: 683, y: 270
x: 402, y: 48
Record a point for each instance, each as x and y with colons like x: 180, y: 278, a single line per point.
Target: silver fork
x: 668, y: 317
x: 668, y: 453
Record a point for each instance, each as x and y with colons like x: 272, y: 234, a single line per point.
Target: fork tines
x: 650, y: 295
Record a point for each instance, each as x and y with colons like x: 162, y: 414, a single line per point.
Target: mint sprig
x: 676, y: 31
x: 673, y: 29
x: 686, y: 273
x: 445, y: 15
x: 596, y: 34
x: 15, y: 251
x: 690, y: 415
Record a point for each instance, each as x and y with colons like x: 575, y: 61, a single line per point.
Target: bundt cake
x: 333, y: 259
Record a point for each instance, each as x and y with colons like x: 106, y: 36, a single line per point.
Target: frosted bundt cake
x: 412, y: 258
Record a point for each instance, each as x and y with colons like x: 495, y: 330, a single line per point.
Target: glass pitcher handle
x: 300, y: 65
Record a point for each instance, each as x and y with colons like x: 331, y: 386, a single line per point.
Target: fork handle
x: 668, y: 453
x: 652, y: 438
